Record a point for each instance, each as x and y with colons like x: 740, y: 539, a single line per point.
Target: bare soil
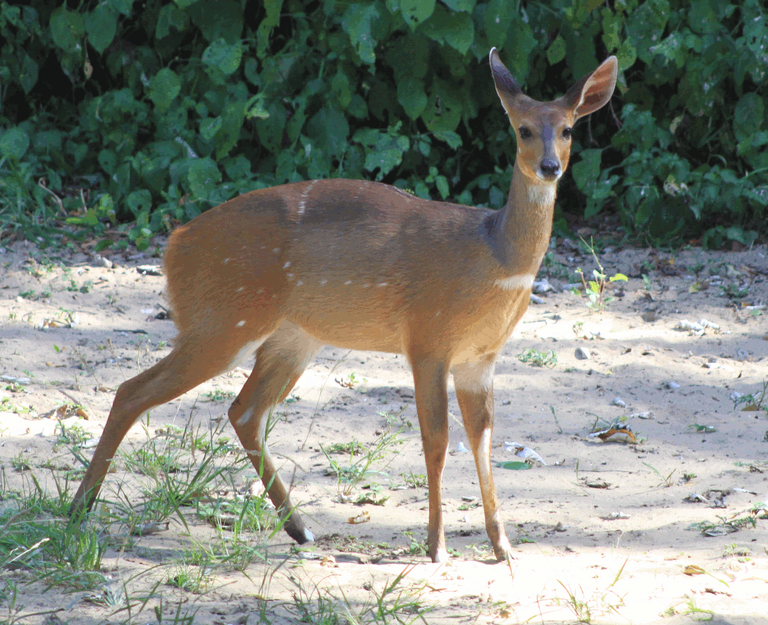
x: 608, y: 532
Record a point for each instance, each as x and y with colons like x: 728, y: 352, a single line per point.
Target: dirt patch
x: 606, y: 532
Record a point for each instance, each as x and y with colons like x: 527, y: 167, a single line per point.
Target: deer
x: 362, y: 265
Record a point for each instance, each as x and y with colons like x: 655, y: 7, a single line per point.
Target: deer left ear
x: 593, y: 91
x: 506, y: 85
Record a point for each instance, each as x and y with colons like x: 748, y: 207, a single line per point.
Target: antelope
x: 362, y: 265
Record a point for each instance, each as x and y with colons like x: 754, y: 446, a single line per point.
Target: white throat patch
x: 542, y: 194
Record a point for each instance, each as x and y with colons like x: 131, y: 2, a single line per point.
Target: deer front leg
x: 474, y: 390
x: 430, y: 380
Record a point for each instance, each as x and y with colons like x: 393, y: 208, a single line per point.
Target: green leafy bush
x: 125, y: 118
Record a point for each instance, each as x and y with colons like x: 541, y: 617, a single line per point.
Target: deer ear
x: 593, y: 91
x: 505, y: 83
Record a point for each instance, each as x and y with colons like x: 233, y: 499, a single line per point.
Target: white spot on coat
x: 303, y: 199
x: 288, y: 264
x: 240, y: 324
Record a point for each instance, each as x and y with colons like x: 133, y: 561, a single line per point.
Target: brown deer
x: 362, y: 265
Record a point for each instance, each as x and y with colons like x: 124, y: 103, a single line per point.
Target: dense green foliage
x: 148, y: 113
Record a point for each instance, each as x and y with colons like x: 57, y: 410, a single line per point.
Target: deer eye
x: 525, y: 133
x: 567, y: 132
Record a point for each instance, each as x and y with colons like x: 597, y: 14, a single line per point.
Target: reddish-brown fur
x: 365, y: 266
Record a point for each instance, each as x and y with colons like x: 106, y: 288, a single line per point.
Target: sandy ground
x: 607, y: 532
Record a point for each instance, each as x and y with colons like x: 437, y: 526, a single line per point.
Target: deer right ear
x: 594, y: 90
x: 505, y: 83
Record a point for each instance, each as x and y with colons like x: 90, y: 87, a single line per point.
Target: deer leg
x: 188, y: 365
x: 280, y: 361
x: 474, y: 390
x: 430, y: 380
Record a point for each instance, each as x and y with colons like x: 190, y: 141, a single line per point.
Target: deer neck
x: 524, y: 225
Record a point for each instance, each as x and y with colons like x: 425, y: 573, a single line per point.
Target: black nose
x: 550, y: 168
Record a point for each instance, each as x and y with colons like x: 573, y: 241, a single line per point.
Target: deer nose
x: 550, y: 168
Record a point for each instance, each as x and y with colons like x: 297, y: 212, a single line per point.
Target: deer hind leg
x: 280, y: 361
x: 191, y: 362
x: 474, y: 391
x: 430, y: 379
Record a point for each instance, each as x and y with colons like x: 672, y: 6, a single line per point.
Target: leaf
x: 444, y: 106
x: 581, y: 53
x: 139, y: 201
x: 556, y: 51
x: 455, y: 29
x: 251, y: 70
x: 514, y: 465
x: 384, y: 160
x: 232, y: 122
x: 29, y: 72
x: 48, y: 140
x: 587, y: 170
x: 645, y: 26
x: 218, y: 19
x: 223, y: 56
x: 460, y: 5
x: 101, y: 26
x: 67, y: 28
x: 612, y: 24
x: 442, y: 186
x: 271, y: 19
x: 342, y: 88
x: 737, y: 233
x: 748, y: 116
x: 499, y: 16
x: 171, y: 17
x: 674, y: 49
x: 238, y: 168
x: 702, y: 17
x: 451, y: 138
x: 384, y: 150
x: 108, y: 161
x: 416, y: 11
x: 163, y: 88
x: 209, y: 127
x: 255, y: 107
x: 270, y: 129
x: 14, y: 143
x: 411, y: 95
x: 626, y: 55
x: 329, y: 130
x: 356, y: 22
x: 518, y: 48
x: 203, y: 176
x: 126, y: 6
x: 185, y: 4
